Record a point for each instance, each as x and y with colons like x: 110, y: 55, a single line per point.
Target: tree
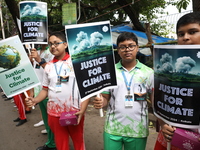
x: 117, y: 11
x: 196, y: 5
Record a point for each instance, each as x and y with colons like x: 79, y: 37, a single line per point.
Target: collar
x: 63, y: 59
x: 138, y: 65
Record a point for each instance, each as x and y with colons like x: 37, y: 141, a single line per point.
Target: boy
x: 188, y: 33
x: 127, y: 112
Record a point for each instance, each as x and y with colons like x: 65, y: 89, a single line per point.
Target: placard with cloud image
x: 177, y: 84
x: 34, y: 25
x: 90, y: 47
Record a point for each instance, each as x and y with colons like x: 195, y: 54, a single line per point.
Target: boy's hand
x: 30, y: 101
x: 35, y: 55
x: 98, y: 102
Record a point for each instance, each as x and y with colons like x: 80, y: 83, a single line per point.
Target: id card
x: 58, y: 88
x: 128, y: 101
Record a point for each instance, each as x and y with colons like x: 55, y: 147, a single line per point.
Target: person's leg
x: 21, y: 108
x: 61, y: 134
x: 50, y: 136
x: 77, y: 135
x: 131, y: 143
x: 112, y: 142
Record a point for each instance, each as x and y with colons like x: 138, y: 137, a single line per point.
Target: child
x: 63, y: 95
x: 126, y: 125
x: 188, y: 33
x: 40, y: 57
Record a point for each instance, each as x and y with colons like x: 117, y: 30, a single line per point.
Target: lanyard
x: 128, y: 85
x: 58, y: 73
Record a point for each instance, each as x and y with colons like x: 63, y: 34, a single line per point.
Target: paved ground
x: 26, y: 137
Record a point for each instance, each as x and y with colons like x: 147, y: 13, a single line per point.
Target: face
x: 57, y: 48
x: 189, y: 34
x: 128, y: 50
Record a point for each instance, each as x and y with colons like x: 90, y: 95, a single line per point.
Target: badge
x: 141, y: 97
x: 64, y: 78
x: 128, y: 101
x: 58, y: 88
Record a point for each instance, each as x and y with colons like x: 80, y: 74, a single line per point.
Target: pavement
x: 27, y: 137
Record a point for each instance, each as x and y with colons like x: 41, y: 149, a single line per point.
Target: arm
x: 102, y: 101
x: 84, y: 105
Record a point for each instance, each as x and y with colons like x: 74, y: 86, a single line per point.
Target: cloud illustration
x: 167, y: 67
x: 36, y: 10
x: 28, y: 10
x: 184, y: 64
x: 84, y: 44
x: 166, y: 58
x: 81, y: 36
x: 96, y: 38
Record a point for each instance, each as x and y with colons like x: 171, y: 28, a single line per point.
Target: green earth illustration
x: 9, y: 57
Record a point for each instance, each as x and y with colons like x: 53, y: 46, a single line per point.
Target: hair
x: 59, y: 35
x: 189, y: 18
x: 127, y: 36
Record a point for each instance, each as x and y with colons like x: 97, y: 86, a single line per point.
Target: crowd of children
x: 126, y: 125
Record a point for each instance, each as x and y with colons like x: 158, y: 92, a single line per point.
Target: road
x: 27, y: 137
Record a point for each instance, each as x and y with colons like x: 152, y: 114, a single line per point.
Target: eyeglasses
x: 130, y: 47
x: 55, y: 44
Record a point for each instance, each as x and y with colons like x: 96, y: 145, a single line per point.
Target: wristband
x: 43, y: 61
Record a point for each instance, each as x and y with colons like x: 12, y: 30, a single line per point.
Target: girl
x: 61, y: 88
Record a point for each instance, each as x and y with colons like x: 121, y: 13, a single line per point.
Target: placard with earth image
x: 16, y: 71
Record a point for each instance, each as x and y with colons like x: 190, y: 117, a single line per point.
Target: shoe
x: 44, y: 131
x: 17, y: 120
x: 4, y: 96
x: 21, y: 122
x: 7, y: 99
x: 39, y: 124
x: 45, y: 147
x: 27, y: 112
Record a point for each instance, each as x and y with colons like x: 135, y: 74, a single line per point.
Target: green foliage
x: 34, y: 18
x: 113, y: 10
x: 182, y: 4
x: 161, y: 28
x: 92, y: 51
x: 179, y: 77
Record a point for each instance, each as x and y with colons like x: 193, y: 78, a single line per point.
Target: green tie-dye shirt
x: 129, y: 121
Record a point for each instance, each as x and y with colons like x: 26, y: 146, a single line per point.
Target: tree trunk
x: 14, y: 10
x: 149, y: 37
x: 196, y: 5
x: 132, y: 15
